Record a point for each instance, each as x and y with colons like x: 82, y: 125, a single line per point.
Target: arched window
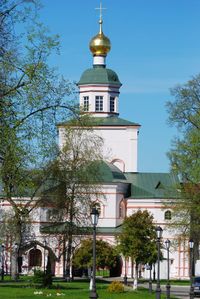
x: 35, y: 258
x: 168, y: 215
x: 121, y: 209
x: 119, y: 163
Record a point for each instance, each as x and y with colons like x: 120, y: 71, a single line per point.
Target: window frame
x: 112, y: 104
x: 98, y: 103
x: 86, y: 103
x: 168, y: 215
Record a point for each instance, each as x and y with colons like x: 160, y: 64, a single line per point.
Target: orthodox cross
x: 100, y: 8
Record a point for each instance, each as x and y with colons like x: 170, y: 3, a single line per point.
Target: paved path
x: 181, y: 292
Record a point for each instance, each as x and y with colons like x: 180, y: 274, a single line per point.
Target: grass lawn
x: 72, y: 290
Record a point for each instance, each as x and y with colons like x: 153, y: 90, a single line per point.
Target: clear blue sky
x: 155, y: 45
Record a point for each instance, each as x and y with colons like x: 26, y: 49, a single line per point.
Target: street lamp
x: 159, y: 236
x: 2, y: 261
x: 95, y: 216
x: 167, y: 244
x: 149, y: 267
x: 191, y: 245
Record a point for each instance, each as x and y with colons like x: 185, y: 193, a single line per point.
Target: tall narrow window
x: 168, y: 215
x: 112, y: 104
x: 35, y: 258
x: 99, y: 103
x: 121, y: 209
x: 86, y: 103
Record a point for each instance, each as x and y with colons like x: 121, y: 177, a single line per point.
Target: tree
x: 106, y: 255
x: 184, y: 112
x: 74, y: 182
x: 31, y: 95
x: 138, y: 239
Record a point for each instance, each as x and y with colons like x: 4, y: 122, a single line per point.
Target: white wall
x: 120, y: 143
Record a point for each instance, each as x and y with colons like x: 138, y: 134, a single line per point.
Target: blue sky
x: 155, y: 45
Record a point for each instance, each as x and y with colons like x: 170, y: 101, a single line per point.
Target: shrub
x: 38, y: 278
x: 47, y: 281
x: 116, y: 287
x: 41, y: 279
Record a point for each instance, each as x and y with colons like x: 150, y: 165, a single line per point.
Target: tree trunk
x: 68, y: 259
x: 70, y: 240
x: 64, y: 257
x: 16, y: 247
x: 14, y: 261
x: 135, y: 281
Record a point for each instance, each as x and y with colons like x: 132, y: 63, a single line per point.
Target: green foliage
x: 184, y: 112
x: 73, y: 180
x: 138, y: 237
x: 34, y: 97
x: 38, y: 278
x: 105, y: 255
x: 42, y: 279
x: 116, y: 287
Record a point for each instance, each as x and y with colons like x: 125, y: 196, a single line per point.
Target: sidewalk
x: 178, y: 291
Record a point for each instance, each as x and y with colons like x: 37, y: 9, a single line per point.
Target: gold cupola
x: 100, y: 44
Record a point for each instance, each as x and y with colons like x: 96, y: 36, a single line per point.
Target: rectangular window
x: 86, y: 103
x: 99, y: 103
x: 112, y: 104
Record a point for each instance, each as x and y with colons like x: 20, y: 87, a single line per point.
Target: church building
x: 125, y: 189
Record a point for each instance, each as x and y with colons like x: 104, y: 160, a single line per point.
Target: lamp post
x: 167, y: 244
x: 191, y: 245
x: 159, y: 236
x: 45, y: 244
x: 2, y: 261
x: 95, y: 216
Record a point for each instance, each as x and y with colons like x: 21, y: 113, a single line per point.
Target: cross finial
x: 100, y: 8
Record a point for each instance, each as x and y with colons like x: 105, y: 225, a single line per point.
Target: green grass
x: 72, y: 290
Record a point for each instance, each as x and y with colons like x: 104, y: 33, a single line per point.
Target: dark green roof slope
x: 153, y: 185
x: 102, y: 121
x: 110, y: 173
x: 62, y: 228
x: 99, y: 75
x: 109, y: 230
x: 112, y: 121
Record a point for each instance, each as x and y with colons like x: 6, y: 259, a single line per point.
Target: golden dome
x: 100, y: 44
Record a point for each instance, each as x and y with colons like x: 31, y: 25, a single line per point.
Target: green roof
x: 99, y: 75
x: 153, y: 185
x: 61, y: 228
x: 103, y: 121
x: 112, y: 121
x: 109, y: 230
x: 109, y: 173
